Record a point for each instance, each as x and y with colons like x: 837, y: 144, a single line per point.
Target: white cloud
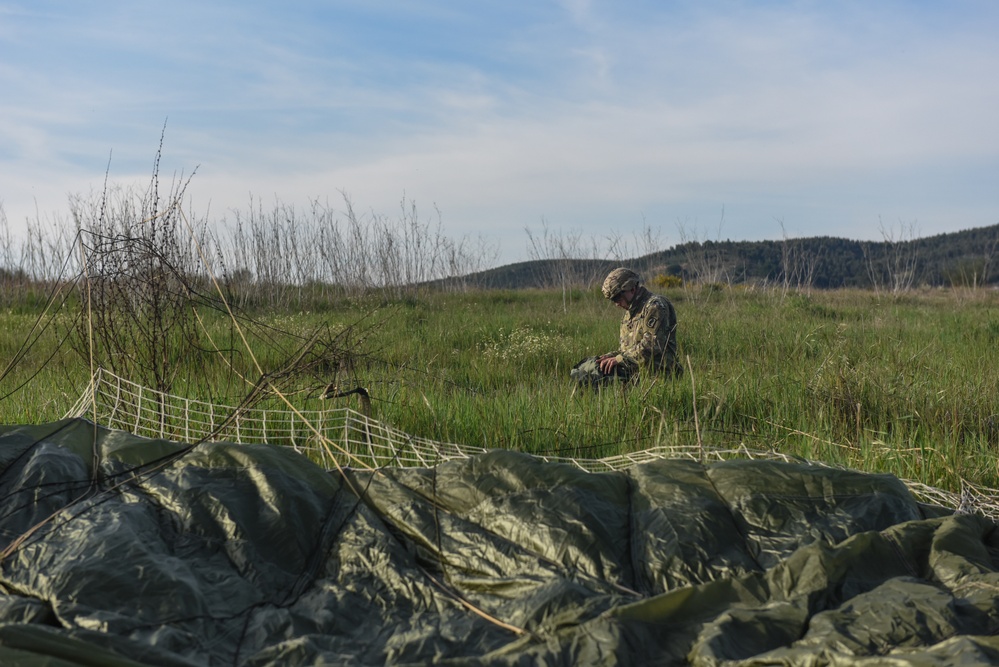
x: 576, y: 113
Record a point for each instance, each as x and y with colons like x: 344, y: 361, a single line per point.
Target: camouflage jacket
x: 648, y: 333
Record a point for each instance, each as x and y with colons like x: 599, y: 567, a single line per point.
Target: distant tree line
x: 958, y: 259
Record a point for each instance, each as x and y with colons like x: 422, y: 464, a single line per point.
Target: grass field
x: 906, y: 384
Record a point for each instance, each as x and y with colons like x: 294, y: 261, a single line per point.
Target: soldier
x: 648, y: 334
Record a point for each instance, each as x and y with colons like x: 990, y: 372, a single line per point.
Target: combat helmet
x: 619, y: 280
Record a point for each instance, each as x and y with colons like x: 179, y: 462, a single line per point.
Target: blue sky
x: 739, y: 120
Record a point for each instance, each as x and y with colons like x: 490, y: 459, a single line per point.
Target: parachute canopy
x: 122, y: 550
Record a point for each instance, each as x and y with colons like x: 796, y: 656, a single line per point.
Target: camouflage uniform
x: 648, y: 335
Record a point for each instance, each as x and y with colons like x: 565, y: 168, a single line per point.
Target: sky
x: 601, y: 119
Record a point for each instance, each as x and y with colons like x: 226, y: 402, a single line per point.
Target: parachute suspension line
x: 253, y: 357
x: 95, y: 451
x: 138, y: 409
x: 38, y: 327
x: 117, y: 389
x: 472, y: 608
x: 697, y: 423
x: 442, y: 561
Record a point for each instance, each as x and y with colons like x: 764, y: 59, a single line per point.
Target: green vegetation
x: 906, y: 385
x: 900, y: 377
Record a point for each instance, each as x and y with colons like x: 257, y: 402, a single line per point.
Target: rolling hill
x: 964, y: 258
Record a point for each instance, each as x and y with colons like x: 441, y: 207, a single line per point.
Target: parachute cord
x: 472, y: 608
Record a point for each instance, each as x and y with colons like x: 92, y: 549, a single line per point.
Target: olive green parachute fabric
x: 119, y: 550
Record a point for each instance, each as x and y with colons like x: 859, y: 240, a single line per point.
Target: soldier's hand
x: 607, y: 363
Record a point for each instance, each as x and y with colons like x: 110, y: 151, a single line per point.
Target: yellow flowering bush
x: 667, y: 281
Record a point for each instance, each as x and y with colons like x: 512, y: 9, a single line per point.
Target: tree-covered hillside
x: 963, y: 258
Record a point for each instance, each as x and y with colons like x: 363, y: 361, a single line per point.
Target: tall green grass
x: 906, y: 385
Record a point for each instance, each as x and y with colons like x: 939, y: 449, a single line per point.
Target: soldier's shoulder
x: 658, y: 301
